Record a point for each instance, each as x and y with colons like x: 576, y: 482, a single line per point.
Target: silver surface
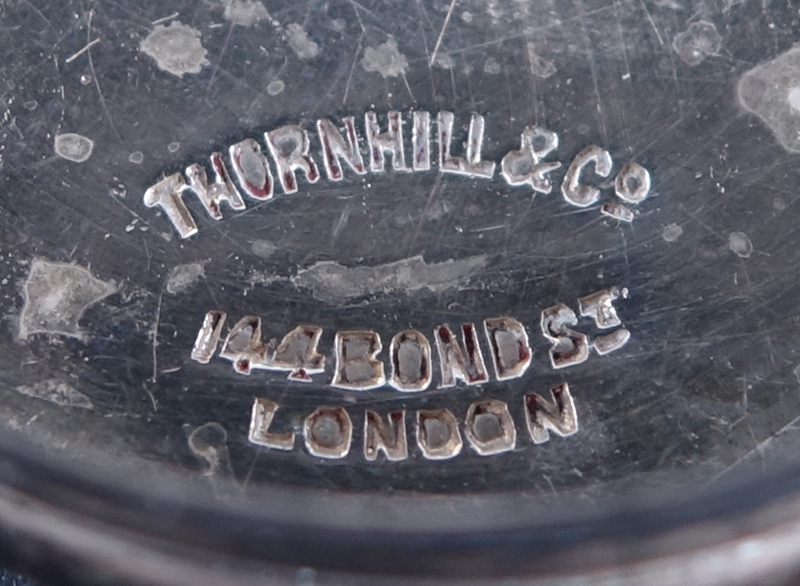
x: 586, y: 210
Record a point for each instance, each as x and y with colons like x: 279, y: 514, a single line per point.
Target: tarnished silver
x: 347, y: 292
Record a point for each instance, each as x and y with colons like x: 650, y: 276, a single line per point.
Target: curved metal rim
x: 624, y: 537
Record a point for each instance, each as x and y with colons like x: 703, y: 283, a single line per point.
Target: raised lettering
x: 167, y: 194
x: 632, y: 183
x: 289, y: 147
x: 526, y: 166
x: 614, y: 341
x: 421, y: 140
x: 243, y: 346
x: 569, y: 347
x: 465, y: 364
x: 261, y: 417
x: 212, y: 194
x: 616, y: 210
x: 298, y: 354
x: 252, y: 169
x: 471, y: 164
x: 390, y: 141
x: 410, y: 355
x: 357, y: 368
x: 389, y: 438
x: 208, y: 337
x: 334, y: 147
x: 489, y: 427
x: 574, y: 191
x: 511, y: 353
x: 328, y: 432
x: 558, y: 415
x: 437, y: 434
x: 600, y: 307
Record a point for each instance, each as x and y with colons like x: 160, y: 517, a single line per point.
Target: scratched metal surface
x: 706, y: 389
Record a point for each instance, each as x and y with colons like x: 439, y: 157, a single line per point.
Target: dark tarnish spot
x: 182, y: 277
x: 751, y: 92
x: 335, y: 283
x: 56, y: 392
x: 176, y: 49
x: 740, y: 243
x: 244, y: 12
x: 209, y: 442
x: 771, y: 91
x: 299, y: 41
x: 74, y: 147
x: 385, y: 59
x: 56, y: 296
x: 697, y: 42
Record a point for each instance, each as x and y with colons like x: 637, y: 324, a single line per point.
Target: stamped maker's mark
x: 289, y: 153
x: 252, y: 173
x: 358, y: 366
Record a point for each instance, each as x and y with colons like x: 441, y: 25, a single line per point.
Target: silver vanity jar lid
x: 399, y: 293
